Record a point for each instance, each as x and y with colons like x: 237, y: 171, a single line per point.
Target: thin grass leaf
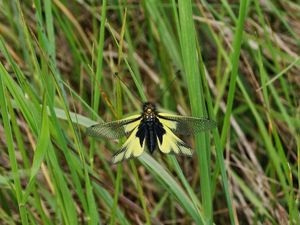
x: 171, y: 186
x: 42, y: 143
x: 234, y: 63
x: 10, y: 146
x: 192, y: 77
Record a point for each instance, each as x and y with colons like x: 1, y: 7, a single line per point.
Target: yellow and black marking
x: 151, y: 129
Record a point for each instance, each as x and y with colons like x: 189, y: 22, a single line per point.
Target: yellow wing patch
x: 131, y: 148
x: 129, y: 127
x: 169, y: 123
x: 172, y: 144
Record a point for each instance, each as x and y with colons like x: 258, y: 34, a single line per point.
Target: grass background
x: 238, y: 63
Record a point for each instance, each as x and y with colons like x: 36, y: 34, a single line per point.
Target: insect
x: 152, y: 130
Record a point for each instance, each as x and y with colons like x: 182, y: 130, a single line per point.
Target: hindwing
x: 170, y: 143
x: 131, y: 148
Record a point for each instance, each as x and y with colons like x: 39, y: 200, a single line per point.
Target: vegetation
x: 233, y: 61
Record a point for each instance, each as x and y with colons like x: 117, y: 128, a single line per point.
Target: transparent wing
x: 131, y: 148
x: 114, y: 129
x: 185, y: 125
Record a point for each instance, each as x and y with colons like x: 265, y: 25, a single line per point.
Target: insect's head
x: 149, y: 107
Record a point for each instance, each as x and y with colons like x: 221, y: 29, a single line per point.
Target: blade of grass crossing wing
x: 189, y: 56
x: 218, y: 145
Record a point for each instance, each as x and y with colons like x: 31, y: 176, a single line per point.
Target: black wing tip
x: 191, y: 151
x: 181, y: 154
x: 115, y: 155
x: 112, y: 162
x: 188, y: 155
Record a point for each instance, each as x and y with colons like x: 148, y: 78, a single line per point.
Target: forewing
x: 172, y: 144
x: 114, y: 129
x: 131, y: 148
x: 186, y: 125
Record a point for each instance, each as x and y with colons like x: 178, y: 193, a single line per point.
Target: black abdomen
x: 150, y: 130
x: 151, y: 137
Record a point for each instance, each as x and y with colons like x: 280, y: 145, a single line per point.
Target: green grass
x: 238, y: 63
